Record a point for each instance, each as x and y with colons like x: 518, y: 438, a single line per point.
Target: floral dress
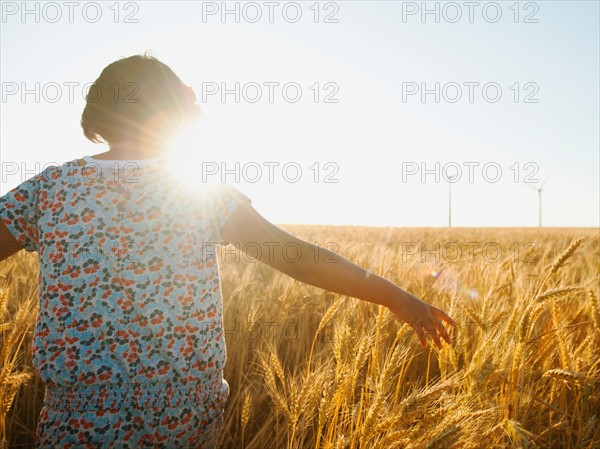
x: 129, y: 338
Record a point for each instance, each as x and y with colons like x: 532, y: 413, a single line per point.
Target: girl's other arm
x: 322, y: 268
x: 8, y: 243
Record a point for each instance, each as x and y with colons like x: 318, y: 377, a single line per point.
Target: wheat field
x: 312, y: 369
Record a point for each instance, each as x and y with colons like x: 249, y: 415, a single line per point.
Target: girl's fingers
x: 432, y: 331
x: 444, y: 316
x: 419, y: 331
x: 435, y: 328
x: 443, y: 332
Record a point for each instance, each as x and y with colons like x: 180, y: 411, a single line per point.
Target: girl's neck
x: 117, y: 152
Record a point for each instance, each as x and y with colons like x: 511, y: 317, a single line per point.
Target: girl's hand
x: 423, y: 318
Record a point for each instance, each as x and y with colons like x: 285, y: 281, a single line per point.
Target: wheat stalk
x: 562, y: 259
x: 562, y: 374
x: 276, y: 366
x: 562, y: 347
x: 524, y: 325
x: 594, y: 309
x: 246, y: 405
x: 12, y: 382
x: 326, y: 318
x: 557, y: 293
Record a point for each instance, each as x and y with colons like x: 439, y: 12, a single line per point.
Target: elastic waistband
x: 134, y: 395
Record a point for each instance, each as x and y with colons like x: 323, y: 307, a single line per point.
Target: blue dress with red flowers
x: 129, y: 338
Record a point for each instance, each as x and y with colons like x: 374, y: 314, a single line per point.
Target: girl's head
x: 137, y: 99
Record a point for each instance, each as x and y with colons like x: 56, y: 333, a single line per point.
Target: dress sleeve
x: 226, y: 199
x: 19, y: 212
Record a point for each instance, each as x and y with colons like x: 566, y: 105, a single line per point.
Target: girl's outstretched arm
x: 262, y: 240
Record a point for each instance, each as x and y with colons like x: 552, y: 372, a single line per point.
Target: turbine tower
x: 539, y: 190
x: 450, y: 179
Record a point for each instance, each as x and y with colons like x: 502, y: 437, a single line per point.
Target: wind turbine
x: 450, y: 179
x: 539, y: 190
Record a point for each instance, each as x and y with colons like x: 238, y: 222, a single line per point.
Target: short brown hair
x: 128, y: 93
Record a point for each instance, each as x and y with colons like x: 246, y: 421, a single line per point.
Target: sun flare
x: 184, y: 160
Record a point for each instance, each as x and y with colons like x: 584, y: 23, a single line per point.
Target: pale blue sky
x: 371, y: 132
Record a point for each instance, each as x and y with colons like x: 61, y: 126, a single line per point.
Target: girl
x: 129, y: 337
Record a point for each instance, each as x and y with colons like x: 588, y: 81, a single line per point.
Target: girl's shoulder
x: 55, y: 172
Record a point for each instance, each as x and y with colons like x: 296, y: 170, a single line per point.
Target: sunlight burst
x: 184, y: 160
